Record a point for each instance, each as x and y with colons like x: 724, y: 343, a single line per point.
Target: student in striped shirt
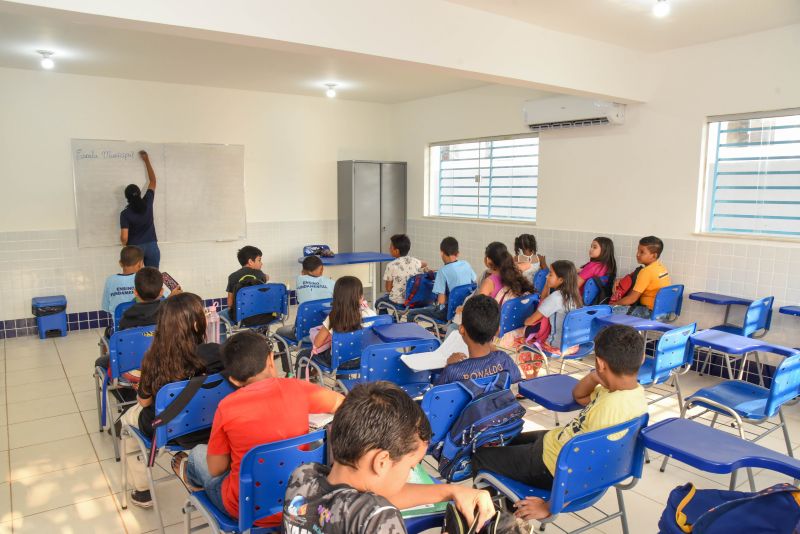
x: 479, y: 324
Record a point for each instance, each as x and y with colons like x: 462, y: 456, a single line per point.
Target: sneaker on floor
x: 142, y: 499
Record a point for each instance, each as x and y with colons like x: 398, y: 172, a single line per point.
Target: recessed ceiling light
x: 331, y: 92
x: 47, y: 62
x: 661, y: 9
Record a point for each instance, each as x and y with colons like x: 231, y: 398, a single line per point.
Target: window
x: 753, y: 175
x: 493, y: 178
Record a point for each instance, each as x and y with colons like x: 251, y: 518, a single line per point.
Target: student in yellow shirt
x: 652, y: 277
x: 610, y: 395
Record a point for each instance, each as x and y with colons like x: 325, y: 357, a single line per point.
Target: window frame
x: 429, y: 197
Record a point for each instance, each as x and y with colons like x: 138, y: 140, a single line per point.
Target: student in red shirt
x: 264, y: 410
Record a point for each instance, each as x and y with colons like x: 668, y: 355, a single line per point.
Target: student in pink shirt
x: 601, y: 262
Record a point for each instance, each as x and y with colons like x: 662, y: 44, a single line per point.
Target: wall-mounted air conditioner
x: 569, y: 112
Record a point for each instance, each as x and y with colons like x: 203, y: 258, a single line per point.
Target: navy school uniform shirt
x: 471, y: 368
x: 141, y: 228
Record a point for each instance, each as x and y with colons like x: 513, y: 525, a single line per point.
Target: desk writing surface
x: 719, y: 299
x: 350, y: 258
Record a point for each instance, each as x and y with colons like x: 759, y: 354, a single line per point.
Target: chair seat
x: 746, y: 399
x: 226, y: 523
x: 554, y: 392
x: 519, y: 490
x: 729, y: 328
x: 148, y: 442
x: 713, y: 450
x: 583, y: 350
x: 414, y: 390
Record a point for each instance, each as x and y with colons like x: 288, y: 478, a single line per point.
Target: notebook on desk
x: 319, y: 420
x: 437, y: 359
x: 418, y: 475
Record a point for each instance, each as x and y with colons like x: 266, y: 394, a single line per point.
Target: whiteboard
x: 199, y: 189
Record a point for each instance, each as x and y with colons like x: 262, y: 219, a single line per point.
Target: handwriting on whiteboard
x: 103, y: 154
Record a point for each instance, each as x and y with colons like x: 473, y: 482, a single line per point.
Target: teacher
x: 136, y: 220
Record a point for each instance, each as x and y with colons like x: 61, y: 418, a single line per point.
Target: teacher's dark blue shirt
x: 141, y: 228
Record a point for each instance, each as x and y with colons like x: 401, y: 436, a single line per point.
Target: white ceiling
x: 630, y: 23
x: 106, y: 47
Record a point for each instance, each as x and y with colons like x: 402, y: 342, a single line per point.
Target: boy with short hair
x: 454, y: 273
x: 378, y: 435
x: 479, y: 324
x: 310, y: 284
x: 119, y: 287
x: 399, y: 270
x: 610, y: 394
x: 640, y: 299
x: 250, y: 259
x: 265, y: 409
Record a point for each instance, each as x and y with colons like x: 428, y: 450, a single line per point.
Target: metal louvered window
x: 492, y: 178
x: 753, y: 175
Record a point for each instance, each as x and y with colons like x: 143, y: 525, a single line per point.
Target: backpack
x: 248, y: 280
x: 605, y: 290
x: 493, y: 417
x: 503, y: 521
x: 771, y: 511
x: 419, y: 280
x: 625, y: 285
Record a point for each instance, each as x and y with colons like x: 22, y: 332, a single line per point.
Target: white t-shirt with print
x: 398, y: 272
x: 554, y: 304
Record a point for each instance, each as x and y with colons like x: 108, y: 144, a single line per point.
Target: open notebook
x: 418, y: 475
x: 437, y: 359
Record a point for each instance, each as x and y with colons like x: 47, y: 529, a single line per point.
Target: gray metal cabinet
x: 372, y: 204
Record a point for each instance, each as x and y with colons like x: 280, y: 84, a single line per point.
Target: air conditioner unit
x: 568, y: 112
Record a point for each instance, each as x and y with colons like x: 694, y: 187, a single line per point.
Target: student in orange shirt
x: 652, y: 277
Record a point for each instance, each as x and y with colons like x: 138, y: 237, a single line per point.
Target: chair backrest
x: 673, y: 351
x: 785, y: 383
x: 593, y: 462
x: 120, y: 309
x: 423, y: 296
x: 457, y: 297
x: 443, y: 404
x: 514, y: 312
x: 261, y: 299
x: 382, y: 362
x: 578, y: 327
x: 310, y: 314
x: 126, y: 348
x: 758, y: 316
x: 196, y: 415
x: 591, y: 290
x: 347, y: 346
x: 265, y: 470
x: 539, y: 279
x: 668, y: 303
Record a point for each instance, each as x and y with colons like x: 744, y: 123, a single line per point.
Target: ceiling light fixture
x: 47, y: 62
x: 661, y: 9
x: 331, y: 92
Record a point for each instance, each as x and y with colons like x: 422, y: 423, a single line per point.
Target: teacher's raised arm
x: 136, y: 220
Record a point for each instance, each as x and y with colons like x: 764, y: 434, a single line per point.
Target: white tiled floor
x: 58, y: 475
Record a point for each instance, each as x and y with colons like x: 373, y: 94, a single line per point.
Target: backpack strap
x: 173, y: 409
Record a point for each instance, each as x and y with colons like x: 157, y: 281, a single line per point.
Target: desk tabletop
x: 790, y: 310
x: 736, y: 344
x: 349, y: 258
x: 637, y: 323
x: 721, y: 300
x: 390, y: 333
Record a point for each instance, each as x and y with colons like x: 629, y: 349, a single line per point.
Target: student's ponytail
x: 510, y: 276
x: 134, y: 197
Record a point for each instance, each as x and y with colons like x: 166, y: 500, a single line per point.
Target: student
x: 527, y: 260
x: 479, y: 324
x: 311, y: 285
x: 399, y: 271
x: 348, y: 309
x: 250, y: 259
x: 119, y: 287
x: 610, y: 395
x: 640, y: 299
x: 560, y: 295
x: 178, y: 353
x: 265, y: 409
x: 454, y: 273
x: 504, y: 280
x: 601, y: 262
x: 378, y: 435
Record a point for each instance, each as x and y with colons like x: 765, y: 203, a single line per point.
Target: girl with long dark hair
x: 601, y: 261
x: 562, y: 297
x: 504, y: 280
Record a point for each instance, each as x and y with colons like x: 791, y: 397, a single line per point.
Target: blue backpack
x: 492, y: 418
x: 774, y: 510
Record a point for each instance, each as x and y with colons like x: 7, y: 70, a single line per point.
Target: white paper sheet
x: 437, y: 359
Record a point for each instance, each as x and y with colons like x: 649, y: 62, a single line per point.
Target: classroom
x: 379, y: 267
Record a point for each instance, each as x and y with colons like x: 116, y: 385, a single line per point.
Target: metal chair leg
x: 623, y: 514
x: 124, y: 465
x: 98, y: 389
x: 664, y: 464
x: 785, y: 429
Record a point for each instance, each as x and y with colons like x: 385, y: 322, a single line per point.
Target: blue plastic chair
x: 757, y: 320
x: 668, y: 303
x: 673, y: 357
x: 455, y: 299
x: 540, y: 279
x: 422, y: 297
x: 587, y: 466
x: 749, y: 403
x: 382, y: 362
x: 197, y: 415
x: 309, y: 314
x: 514, y: 312
x: 126, y: 349
x: 578, y: 330
x: 120, y: 310
x: 257, y: 300
x: 263, y: 475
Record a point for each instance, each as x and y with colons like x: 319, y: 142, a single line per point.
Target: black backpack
x: 249, y: 280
